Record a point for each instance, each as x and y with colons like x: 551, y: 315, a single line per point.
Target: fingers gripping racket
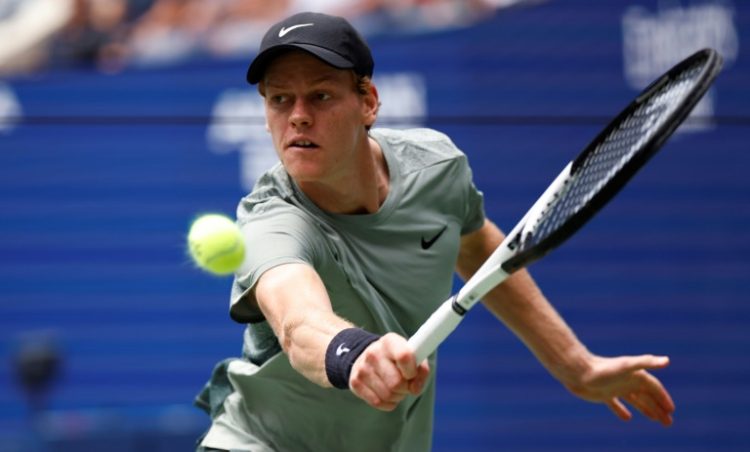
x: 582, y: 188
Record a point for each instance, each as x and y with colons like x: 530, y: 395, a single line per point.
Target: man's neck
x: 361, y: 190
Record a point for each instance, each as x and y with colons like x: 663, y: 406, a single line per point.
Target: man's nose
x: 300, y: 115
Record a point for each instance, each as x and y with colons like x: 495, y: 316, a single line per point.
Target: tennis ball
x: 216, y: 244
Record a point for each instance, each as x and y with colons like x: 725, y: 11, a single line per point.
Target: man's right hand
x: 386, y: 372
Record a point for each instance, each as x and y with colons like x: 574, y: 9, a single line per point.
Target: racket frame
x: 510, y: 255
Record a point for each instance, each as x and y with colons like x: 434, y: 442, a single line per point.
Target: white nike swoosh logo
x: 284, y: 31
x: 341, y: 350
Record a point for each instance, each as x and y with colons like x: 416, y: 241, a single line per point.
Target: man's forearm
x: 296, y: 305
x: 522, y: 307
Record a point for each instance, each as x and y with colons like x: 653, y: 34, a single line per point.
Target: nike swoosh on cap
x: 285, y: 30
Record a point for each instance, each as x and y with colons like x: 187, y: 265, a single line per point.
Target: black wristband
x: 343, y: 350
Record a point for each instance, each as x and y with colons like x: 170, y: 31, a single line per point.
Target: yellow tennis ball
x: 216, y: 244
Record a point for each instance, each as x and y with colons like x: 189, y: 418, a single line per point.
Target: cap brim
x: 262, y: 60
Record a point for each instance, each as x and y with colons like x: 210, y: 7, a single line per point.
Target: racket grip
x: 434, y: 330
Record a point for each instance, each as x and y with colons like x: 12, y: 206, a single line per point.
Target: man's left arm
x: 522, y: 307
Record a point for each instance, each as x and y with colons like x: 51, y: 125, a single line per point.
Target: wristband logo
x: 340, y: 350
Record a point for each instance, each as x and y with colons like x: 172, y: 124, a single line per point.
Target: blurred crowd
x: 109, y: 35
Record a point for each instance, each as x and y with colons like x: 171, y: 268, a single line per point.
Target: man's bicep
x: 476, y: 247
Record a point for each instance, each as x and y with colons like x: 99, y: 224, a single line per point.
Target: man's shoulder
x: 418, y: 148
x: 429, y: 140
x: 272, y: 196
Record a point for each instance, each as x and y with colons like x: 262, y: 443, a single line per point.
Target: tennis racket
x: 582, y: 188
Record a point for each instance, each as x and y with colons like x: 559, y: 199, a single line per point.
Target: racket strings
x: 608, y: 158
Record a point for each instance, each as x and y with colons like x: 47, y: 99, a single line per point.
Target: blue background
x: 100, y: 181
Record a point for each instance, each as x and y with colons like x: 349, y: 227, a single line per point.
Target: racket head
x: 603, y: 168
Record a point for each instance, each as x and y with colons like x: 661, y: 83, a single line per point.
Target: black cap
x: 330, y: 38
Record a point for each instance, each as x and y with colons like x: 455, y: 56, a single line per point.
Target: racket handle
x: 433, y: 332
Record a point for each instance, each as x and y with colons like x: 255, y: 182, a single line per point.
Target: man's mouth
x: 305, y: 144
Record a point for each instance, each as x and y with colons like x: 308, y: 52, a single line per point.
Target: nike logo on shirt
x: 427, y: 243
x: 284, y: 30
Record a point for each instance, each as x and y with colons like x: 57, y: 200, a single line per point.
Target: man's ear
x: 268, y: 128
x: 371, y: 105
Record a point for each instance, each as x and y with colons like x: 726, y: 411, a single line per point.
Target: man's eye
x: 279, y: 99
x: 323, y: 96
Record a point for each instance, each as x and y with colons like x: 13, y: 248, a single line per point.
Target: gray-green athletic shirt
x: 385, y: 272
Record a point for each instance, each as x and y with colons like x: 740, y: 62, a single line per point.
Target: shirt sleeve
x: 474, y: 214
x: 275, y: 234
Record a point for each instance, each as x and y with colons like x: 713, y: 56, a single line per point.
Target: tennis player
x: 352, y: 241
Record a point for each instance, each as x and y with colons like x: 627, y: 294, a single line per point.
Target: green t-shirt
x: 385, y: 272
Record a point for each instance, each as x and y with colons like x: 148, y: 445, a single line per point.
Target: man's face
x: 315, y: 116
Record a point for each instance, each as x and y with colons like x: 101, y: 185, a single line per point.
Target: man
x: 352, y: 241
